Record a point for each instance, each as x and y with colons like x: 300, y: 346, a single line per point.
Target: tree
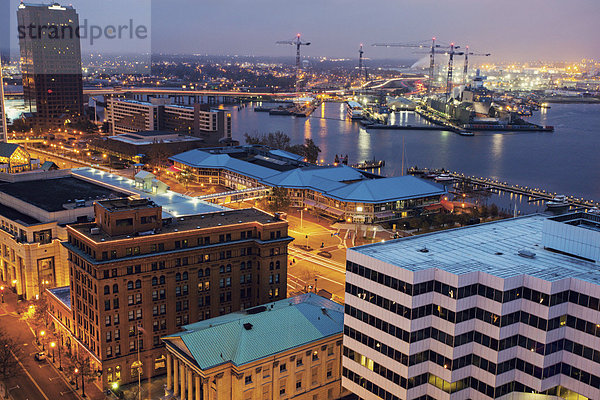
x: 279, y: 200
x: 36, y: 315
x: 184, y: 177
x: 494, y: 210
x: 9, y: 351
x: 81, y: 369
x: 19, y: 125
x: 311, y: 151
x: 276, y: 140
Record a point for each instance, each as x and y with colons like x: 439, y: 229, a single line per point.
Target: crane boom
x: 418, y: 46
x: 466, y: 66
x: 296, y: 42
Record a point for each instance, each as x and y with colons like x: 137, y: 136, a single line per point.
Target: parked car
x: 41, y: 356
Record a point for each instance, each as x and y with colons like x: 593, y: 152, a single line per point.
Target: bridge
x: 235, y: 196
x: 144, y: 93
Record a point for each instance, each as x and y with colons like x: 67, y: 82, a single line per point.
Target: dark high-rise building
x: 2, y: 110
x: 50, y: 63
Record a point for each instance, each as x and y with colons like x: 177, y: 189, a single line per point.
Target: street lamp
x: 76, y: 372
x: 59, y: 357
x: 302, y: 217
x: 42, y: 333
x: 2, y: 292
x: 53, y: 345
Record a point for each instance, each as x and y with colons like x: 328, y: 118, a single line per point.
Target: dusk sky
x: 519, y: 30
x: 510, y: 29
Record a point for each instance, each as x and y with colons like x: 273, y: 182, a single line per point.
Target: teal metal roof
x: 340, y: 182
x: 284, y: 325
x: 387, y: 189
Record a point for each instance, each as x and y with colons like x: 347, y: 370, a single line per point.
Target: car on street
x: 40, y: 356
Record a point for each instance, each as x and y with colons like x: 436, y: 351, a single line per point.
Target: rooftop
x: 243, y: 337
x: 7, y: 149
x: 492, y: 248
x: 190, y: 223
x: 173, y: 204
x: 282, y: 169
x: 17, y: 216
x: 53, y: 194
x: 126, y: 204
x: 63, y: 294
x: 150, y: 137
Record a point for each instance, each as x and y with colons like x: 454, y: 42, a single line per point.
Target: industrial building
x: 51, y: 66
x: 137, y: 274
x: 339, y: 192
x: 502, y: 310
x: 290, y: 348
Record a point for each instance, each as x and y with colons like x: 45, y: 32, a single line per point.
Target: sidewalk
x: 13, y: 307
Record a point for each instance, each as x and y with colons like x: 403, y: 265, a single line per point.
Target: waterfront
x: 563, y: 161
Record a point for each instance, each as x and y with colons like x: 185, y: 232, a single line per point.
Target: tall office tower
x: 50, y: 63
x: 504, y: 310
x: 2, y: 109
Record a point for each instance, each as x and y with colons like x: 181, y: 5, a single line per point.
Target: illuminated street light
x: 53, y: 345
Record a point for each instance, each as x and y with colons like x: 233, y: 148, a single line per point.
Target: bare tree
x: 10, y: 349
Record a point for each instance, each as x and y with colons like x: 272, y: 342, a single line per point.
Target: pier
x: 534, y: 194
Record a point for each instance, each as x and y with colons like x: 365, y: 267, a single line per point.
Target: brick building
x: 136, y: 276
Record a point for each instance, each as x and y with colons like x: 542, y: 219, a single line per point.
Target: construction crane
x: 361, y: 65
x: 451, y: 53
x: 418, y: 46
x: 298, y: 43
x: 466, y: 67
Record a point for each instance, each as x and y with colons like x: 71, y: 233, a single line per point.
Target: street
x: 35, y: 380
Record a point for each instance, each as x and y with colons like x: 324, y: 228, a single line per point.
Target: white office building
x: 503, y: 310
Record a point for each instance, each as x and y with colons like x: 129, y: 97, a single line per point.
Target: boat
x: 369, y: 164
x: 559, y: 201
x: 354, y: 110
x: 444, y: 178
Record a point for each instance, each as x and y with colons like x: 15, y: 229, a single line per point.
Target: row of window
x: 475, y: 289
x: 470, y: 359
x: 464, y: 315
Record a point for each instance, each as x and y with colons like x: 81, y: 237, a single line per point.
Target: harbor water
x: 565, y: 161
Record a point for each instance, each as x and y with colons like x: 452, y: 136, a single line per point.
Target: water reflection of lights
x: 323, y: 110
x: 497, y: 146
x: 364, y: 144
x: 342, y: 110
x: 307, y: 132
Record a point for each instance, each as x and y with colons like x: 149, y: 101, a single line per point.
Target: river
x: 564, y: 161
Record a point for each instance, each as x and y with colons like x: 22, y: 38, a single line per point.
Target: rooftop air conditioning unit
x: 526, y: 253
x: 95, y: 231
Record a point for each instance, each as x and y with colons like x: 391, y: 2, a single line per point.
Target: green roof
x: 280, y: 326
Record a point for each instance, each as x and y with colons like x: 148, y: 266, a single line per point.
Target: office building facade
x: 504, y: 310
x: 199, y: 120
x: 32, y: 224
x: 135, y: 277
x: 50, y: 63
